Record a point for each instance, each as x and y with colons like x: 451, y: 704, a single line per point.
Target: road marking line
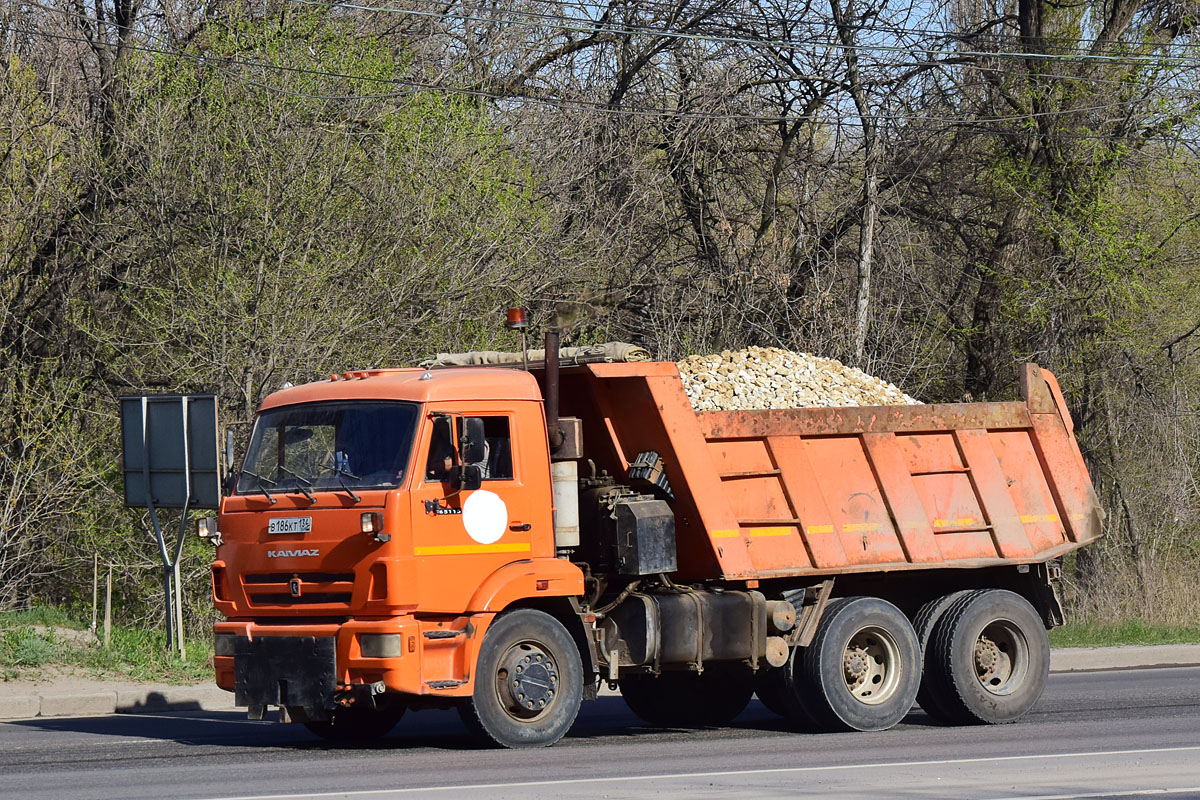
x: 1192, y: 790
x: 739, y: 772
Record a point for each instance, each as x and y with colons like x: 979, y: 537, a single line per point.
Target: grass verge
x: 37, y: 641
x: 1114, y: 634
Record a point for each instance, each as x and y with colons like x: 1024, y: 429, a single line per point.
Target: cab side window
x: 497, y: 464
x: 497, y: 451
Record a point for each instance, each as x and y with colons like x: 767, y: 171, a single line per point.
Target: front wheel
x: 528, y: 682
x: 359, y: 723
x: 988, y: 658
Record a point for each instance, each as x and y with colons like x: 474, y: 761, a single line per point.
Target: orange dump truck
x: 505, y: 541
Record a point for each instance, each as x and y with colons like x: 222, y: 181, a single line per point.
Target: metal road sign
x: 170, y: 444
x: 171, y: 460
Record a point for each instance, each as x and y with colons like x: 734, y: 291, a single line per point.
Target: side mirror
x: 471, y: 445
x: 472, y: 477
x: 229, y: 481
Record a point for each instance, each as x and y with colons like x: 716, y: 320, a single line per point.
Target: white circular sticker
x: 485, y: 516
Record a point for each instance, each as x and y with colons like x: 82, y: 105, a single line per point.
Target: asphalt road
x: 1129, y: 733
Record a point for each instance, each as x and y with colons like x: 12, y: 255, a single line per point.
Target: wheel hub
x: 1001, y: 657
x: 987, y: 657
x: 856, y: 665
x: 527, y: 679
x: 870, y: 665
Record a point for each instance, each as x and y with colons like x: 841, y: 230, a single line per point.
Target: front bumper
x: 291, y: 671
x: 301, y: 656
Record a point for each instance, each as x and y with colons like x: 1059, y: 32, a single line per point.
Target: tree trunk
x: 983, y: 345
x: 869, y: 213
x: 866, y: 252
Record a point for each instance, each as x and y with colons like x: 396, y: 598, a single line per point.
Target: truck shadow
x: 604, y: 718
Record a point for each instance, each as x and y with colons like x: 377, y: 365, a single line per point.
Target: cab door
x: 460, y: 537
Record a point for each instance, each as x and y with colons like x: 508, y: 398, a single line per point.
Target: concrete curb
x: 121, y: 700
x: 141, y: 700
x: 1088, y: 659
x: 22, y: 707
x: 79, y: 704
x: 174, y: 698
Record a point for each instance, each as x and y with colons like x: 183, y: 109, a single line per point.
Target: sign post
x: 170, y: 448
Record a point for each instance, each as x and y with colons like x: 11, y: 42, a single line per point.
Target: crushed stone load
x: 769, y: 377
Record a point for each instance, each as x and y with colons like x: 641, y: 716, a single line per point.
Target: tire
x: 988, y: 658
x: 771, y: 691
x: 924, y: 623
x: 528, y: 682
x: 862, y: 670
x: 359, y: 723
x: 712, y: 698
x: 793, y: 691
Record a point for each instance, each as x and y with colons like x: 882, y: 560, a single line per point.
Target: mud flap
x: 284, y: 671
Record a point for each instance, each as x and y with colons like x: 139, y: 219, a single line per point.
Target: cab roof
x: 414, y: 385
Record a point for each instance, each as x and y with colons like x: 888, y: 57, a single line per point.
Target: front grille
x: 307, y: 577
x: 316, y: 588
x: 307, y: 598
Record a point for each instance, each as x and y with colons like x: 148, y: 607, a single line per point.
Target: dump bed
x: 762, y: 494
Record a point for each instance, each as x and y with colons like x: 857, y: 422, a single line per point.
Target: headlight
x: 223, y: 644
x: 381, y: 645
x: 206, y: 527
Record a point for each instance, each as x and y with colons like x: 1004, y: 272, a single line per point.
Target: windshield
x: 329, y: 446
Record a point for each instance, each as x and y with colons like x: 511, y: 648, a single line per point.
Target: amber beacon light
x: 516, y: 319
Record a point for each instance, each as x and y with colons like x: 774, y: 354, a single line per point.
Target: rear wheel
x: 923, y: 623
x: 359, y: 723
x: 528, y: 682
x: 862, y: 670
x: 688, y: 699
x: 988, y: 658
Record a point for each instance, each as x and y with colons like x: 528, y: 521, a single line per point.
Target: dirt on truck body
x: 504, y: 541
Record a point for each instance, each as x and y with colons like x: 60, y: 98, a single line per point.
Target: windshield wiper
x: 336, y: 470
x: 301, y: 482
x: 261, y: 481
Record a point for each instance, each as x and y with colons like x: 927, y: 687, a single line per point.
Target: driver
x: 441, y: 454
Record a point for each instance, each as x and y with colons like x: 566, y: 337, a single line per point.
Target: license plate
x: 290, y: 525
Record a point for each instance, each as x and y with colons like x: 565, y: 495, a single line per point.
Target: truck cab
x: 379, y: 522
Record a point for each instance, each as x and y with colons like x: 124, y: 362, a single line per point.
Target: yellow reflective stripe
x: 854, y: 527
x: 1032, y: 518
x: 820, y: 529
x: 724, y: 534
x: 962, y: 522
x: 770, y: 531
x: 463, y: 549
